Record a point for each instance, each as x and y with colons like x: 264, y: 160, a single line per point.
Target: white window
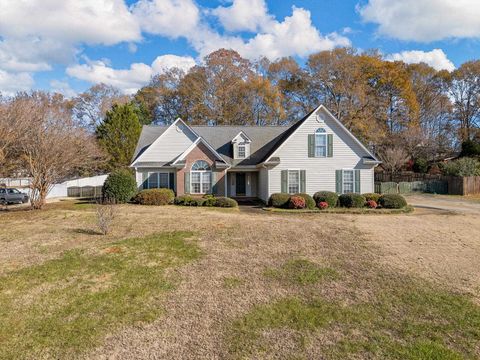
x: 158, y: 180
x: 241, y: 151
x: 348, y: 181
x: 320, y: 143
x: 293, y: 181
x: 200, y: 178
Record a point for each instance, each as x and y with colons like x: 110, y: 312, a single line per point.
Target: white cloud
x: 62, y: 87
x: 424, y: 20
x: 244, y: 15
x: 10, y: 83
x: 128, y: 80
x: 435, y: 58
x: 172, y: 18
x: 295, y: 35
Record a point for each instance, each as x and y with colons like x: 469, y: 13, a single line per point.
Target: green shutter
x: 187, y: 182
x: 330, y: 145
x: 338, y: 181
x: 144, y: 180
x: 284, y: 178
x: 213, y: 184
x: 171, y: 181
x: 357, y: 181
x: 311, y: 145
x: 303, y: 180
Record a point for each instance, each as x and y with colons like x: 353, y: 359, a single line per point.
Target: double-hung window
x: 293, y: 181
x: 320, y: 143
x: 200, y: 178
x: 348, y: 181
x: 241, y: 151
x: 158, y: 180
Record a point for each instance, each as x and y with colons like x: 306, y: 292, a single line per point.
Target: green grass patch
x: 65, y: 306
x: 341, y: 210
x: 301, y: 272
x: 409, y: 321
x: 231, y: 282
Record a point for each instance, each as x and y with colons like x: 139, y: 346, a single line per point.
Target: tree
x: 118, y: 134
x: 91, y: 106
x: 464, y: 88
x: 393, y: 158
x: 49, y: 143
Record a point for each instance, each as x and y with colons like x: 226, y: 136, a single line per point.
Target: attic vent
x: 319, y: 118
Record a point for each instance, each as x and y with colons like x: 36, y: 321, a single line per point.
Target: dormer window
x: 241, y: 146
x: 241, y: 151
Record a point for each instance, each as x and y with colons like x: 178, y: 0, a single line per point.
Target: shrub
x: 372, y: 204
x: 462, y: 167
x: 420, y: 165
x: 225, y: 202
x: 105, y: 214
x: 309, y: 202
x: 197, y: 202
x: 371, y: 196
x: 329, y: 197
x: 470, y: 148
x: 209, y: 201
x: 119, y: 187
x: 279, y: 200
x: 296, y: 202
x: 155, y: 197
x: 322, y: 205
x: 185, y: 200
x: 392, y: 201
x: 351, y: 200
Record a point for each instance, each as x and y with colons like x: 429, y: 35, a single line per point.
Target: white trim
x: 325, y: 136
x: 343, y: 180
x: 161, y: 135
x: 244, y: 135
x: 194, y: 145
x: 201, y: 181
x: 314, y: 113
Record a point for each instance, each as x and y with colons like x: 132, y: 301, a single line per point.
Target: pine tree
x: 118, y: 134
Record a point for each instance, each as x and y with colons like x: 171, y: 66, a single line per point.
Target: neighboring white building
x: 316, y: 153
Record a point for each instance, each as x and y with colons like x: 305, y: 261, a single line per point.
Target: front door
x: 240, y: 186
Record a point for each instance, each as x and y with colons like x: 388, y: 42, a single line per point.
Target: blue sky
x: 69, y: 45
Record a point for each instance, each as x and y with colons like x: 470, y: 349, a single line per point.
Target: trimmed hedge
x: 279, y: 200
x: 184, y: 200
x: 351, y: 200
x: 225, y: 202
x: 119, y: 187
x: 296, y: 202
x: 309, y: 202
x: 372, y: 196
x: 155, y: 197
x: 331, y: 198
x: 392, y: 201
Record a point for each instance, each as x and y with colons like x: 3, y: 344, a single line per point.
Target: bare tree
x: 105, y: 214
x: 393, y: 158
x: 50, y: 145
x: 91, y: 106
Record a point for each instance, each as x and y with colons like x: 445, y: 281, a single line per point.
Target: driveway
x: 450, y: 203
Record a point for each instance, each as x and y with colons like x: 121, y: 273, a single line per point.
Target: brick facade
x: 201, y: 152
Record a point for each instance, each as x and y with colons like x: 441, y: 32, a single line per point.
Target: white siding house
x: 316, y: 153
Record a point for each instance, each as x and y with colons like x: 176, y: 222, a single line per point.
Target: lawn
x: 232, y: 284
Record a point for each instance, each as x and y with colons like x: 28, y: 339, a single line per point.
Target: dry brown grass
x: 364, y: 250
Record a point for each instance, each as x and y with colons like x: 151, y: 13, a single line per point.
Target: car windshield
x: 13, y: 191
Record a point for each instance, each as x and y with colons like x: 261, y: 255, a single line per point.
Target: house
x: 316, y: 153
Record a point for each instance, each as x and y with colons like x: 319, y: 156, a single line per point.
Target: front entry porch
x: 242, y: 184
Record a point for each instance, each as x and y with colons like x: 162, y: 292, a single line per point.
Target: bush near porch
x: 327, y: 199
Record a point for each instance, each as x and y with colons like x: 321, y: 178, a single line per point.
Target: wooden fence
x: 468, y: 185
x: 84, y: 191
x: 444, y: 185
x: 406, y: 176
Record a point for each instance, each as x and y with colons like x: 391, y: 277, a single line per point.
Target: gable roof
x: 193, y: 146
x: 265, y: 140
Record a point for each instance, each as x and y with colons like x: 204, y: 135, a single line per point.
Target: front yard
x: 190, y: 283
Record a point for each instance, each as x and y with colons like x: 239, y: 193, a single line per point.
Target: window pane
x: 320, y: 145
x: 348, y: 176
x: 153, y: 180
x: 163, y: 180
x: 195, y: 177
x: 206, y: 176
x: 348, y: 187
x: 241, y: 151
x: 293, y: 182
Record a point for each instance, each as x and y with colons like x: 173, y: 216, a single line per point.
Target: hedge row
x: 326, y: 199
x: 207, y: 200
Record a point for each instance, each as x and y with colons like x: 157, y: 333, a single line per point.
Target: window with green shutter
x: 320, y: 144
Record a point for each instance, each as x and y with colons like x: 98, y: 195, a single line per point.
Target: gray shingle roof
x: 264, y: 140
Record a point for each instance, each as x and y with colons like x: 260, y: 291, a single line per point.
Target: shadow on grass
x: 86, y: 231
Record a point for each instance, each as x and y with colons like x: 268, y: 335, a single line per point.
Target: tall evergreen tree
x: 118, y: 134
